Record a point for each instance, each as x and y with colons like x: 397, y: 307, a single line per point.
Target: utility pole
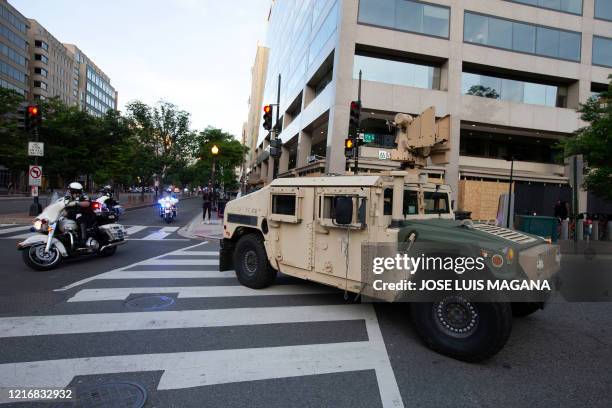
x: 356, y: 152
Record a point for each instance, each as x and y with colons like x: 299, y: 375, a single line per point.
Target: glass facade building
x: 510, y: 73
x: 13, y: 50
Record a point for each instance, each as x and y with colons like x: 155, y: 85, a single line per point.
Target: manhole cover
x: 149, y: 302
x: 110, y: 395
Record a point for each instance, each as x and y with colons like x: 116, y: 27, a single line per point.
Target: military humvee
x: 313, y: 228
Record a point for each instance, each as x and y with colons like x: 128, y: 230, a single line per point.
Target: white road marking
x: 111, y: 322
x: 198, y: 253
x: 181, y: 262
x: 14, y: 229
x: 201, y: 368
x: 83, y: 281
x: 160, y: 234
x: 90, y: 295
x: 165, y: 274
x: 23, y: 236
x: 136, y: 228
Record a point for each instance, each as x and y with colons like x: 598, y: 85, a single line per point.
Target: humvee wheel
x: 251, y: 263
x: 524, y: 309
x: 461, y: 329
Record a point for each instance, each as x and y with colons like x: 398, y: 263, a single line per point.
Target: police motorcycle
x: 167, y: 207
x: 58, y: 237
x: 107, y: 201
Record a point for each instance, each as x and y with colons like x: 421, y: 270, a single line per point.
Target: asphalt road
x: 213, y: 343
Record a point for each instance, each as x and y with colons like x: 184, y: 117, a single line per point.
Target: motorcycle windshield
x: 52, y: 212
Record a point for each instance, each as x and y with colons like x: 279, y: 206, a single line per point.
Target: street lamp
x: 215, y: 151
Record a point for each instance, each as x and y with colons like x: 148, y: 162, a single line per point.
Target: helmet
x: 108, y: 188
x: 168, y: 190
x: 75, y: 188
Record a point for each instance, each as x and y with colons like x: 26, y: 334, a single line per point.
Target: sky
x: 196, y: 54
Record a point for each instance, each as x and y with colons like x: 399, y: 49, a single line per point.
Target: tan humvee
x: 314, y: 228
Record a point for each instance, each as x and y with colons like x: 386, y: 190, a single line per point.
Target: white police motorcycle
x: 58, y: 237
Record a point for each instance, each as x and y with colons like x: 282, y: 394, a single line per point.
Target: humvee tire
x: 251, y: 263
x: 524, y: 309
x: 466, y: 331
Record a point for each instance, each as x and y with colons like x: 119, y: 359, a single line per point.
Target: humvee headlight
x: 509, y: 255
x: 497, y: 260
x: 484, y: 253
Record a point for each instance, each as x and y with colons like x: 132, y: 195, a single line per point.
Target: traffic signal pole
x: 276, y: 124
x: 356, y: 136
x: 34, y: 121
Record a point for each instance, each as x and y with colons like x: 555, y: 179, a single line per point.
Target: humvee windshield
x: 435, y: 203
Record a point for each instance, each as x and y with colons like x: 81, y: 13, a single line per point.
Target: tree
x: 594, y: 142
x: 13, y: 140
x: 483, y: 91
x: 231, y: 154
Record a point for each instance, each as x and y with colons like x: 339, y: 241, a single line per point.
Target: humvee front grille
x: 506, y: 233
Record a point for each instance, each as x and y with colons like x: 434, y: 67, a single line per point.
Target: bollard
x: 595, y: 231
x: 565, y: 229
x: 580, y: 229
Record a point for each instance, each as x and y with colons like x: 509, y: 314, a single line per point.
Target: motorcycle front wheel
x: 36, y: 258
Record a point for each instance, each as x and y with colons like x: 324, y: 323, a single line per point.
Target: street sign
x: 384, y: 155
x: 34, y: 191
x: 36, y: 149
x: 35, y: 175
x: 368, y: 137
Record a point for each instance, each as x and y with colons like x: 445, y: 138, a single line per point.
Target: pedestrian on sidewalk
x: 207, y: 197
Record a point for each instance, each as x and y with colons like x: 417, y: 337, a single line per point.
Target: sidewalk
x: 196, y: 229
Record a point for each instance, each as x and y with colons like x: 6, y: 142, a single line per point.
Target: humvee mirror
x: 343, y: 210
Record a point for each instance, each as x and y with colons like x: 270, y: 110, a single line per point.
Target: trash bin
x: 463, y: 215
x: 543, y: 226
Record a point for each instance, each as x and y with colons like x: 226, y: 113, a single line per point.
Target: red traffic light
x: 267, y: 108
x: 32, y: 110
x: 355, y: 105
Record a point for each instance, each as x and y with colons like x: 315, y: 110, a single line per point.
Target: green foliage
x: 483, y: 91
x: 594, y: 142
x: 132, y: 149
x: 13, y: 140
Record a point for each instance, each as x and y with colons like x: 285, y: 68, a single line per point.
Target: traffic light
x: 349, y: 147
x: 267, y: 117
x: 33, y: 117
x: 355, y: 114
x: 275, y: 148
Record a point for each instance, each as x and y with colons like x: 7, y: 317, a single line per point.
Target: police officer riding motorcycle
x: 69, y: 227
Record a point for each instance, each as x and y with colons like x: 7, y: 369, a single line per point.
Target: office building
x: 14, y: 50
x: 509, y: 73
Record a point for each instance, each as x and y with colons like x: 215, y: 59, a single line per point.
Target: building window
x: 41, y: 44
x: 513, y: 90
x: 40, y: 84
x: 522, y: 37
x: 406, y: 15
x: 602, y: 51
x: 498, y: 146
x: 603, y: 9
x: 327, y: 29
x: 396, y: 72
x: 42, y: 58
x: 567, y: 6
x: 41, y: 71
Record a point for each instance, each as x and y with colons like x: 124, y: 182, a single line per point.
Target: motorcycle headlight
x: 168, y: 205
x: 40, y: 225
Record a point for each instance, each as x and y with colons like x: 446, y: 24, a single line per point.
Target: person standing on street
x: 207, y: 197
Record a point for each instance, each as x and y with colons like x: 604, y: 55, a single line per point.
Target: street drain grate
x: 149, y: 302
x: 110, y: 395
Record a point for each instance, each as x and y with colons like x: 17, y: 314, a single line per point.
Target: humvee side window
x: 283, y: 204
x: 410, y: 202
x: 436, y: 203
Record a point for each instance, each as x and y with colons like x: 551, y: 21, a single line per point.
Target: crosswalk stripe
x: 158, y: 235
x: 92, y: 278
x: 194, y: 253
x: 112, y: 322
x: 89, y: 295
x: 179, y: 262
x: 14, y: 229
x: 134, y: 229
x: 165, y: 274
